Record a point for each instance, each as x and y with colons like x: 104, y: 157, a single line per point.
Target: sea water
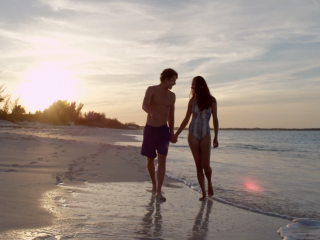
x: 273, y: 172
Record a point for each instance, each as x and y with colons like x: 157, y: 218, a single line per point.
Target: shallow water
x: 272, y: 172
x: 128, y: 211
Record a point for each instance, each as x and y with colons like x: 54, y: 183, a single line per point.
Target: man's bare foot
x: 210, y: 190
x: 203, y: 198
x: 160, y: 196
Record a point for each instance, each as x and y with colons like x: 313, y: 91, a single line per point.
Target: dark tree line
x: 58, y: 113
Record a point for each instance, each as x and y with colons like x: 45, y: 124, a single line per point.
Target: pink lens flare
x: 250, y: 185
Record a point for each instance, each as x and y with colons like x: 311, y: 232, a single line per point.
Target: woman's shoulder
x: 213, y: 99
x: 191, y: 103
x: 192, y: 100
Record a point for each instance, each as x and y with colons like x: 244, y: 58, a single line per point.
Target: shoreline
x: 76, y: 157
x: 49, y: 157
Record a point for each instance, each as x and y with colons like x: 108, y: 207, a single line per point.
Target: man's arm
x: 146, y: 105
x: 147, y: 101
x: 171, y: 118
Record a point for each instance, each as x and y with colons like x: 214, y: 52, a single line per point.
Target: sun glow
x: 46, y: 84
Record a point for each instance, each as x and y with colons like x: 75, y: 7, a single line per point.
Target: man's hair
x: 168, y: 74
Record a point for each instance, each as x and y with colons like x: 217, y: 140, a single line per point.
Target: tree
x: 61, y: 112
x: 6, y: 99
x: 2, y: 89
x: 18, y: 110
x: 6, y: 106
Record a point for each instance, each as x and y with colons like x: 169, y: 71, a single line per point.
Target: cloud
x: 240, y: 47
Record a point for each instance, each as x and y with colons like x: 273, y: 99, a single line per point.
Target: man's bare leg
x: 160, y: 175
x: 152, y: 174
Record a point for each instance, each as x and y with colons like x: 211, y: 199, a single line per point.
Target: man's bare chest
x: 161, y: 99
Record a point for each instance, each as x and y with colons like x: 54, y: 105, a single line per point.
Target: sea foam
x: 301, y: 229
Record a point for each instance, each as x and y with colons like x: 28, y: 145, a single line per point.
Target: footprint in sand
x: 10, y: 170
x: 58, y: 180
x: 33, y: 162
x: 15, y: 165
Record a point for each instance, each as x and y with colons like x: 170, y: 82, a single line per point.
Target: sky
x: 261, y: 59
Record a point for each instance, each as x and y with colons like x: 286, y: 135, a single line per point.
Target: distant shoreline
x: 6, y: 124
x: 263, y: 129
x: 271, y: 129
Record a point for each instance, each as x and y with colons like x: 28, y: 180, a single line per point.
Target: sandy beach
x: 78, y: 183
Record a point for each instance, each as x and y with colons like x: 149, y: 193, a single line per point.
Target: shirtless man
x: 159, y: 104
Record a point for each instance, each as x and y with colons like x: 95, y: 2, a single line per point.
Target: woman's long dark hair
x: 201, y: 93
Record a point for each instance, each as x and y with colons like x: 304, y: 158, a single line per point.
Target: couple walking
x: 159, y: 103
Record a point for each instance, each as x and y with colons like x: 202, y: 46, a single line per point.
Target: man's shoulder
x: 152, y: 88
x: 172, y: 94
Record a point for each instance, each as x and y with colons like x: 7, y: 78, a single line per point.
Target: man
x: 159, y: 104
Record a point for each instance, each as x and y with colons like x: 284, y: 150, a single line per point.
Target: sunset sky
x: 261, y: 59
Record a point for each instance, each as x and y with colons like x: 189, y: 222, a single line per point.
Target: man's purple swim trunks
x: 155, y: 138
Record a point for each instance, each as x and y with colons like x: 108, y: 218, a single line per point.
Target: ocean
x: 272, y: 172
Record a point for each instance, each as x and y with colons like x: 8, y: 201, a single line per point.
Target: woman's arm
x: 186, y: 119
x: 215, y: 123
x: 171, y: 119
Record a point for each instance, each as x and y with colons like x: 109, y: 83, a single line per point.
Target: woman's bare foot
x: 154, y: 188
x: 160, y: 196
x: 203, y: 198
x: 210, y: 190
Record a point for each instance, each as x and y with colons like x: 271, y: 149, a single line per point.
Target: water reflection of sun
x: 46, y: 84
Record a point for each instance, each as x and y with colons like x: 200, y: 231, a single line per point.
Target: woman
x: 201, y: 105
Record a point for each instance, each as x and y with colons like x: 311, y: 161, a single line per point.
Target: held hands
x: 174, y: 138
x: 215, y: 143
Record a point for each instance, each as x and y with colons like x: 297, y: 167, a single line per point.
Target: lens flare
x: 252, y: 186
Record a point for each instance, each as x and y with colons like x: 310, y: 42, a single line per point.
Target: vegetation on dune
x: 5, y: 99
x: 58, y: 113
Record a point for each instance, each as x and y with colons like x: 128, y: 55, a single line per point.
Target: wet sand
x: 49, y: 175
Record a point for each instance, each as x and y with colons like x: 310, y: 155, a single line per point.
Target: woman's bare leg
x: 205, y: 150
x: 195, y: 149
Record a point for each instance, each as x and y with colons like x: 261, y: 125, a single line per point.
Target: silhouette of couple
x: 159, y: 104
